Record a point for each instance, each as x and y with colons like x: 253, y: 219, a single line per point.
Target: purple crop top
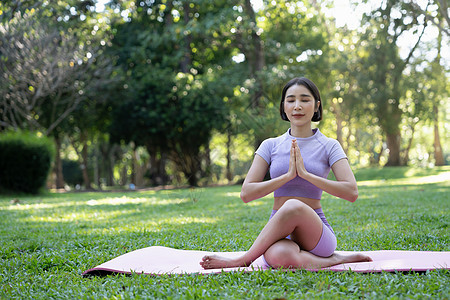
x: 319, y: 154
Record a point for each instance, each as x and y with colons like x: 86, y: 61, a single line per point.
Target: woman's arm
x: 345, y: 187
x: 254, y: 187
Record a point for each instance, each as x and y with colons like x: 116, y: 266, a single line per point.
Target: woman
x: 297, y: 234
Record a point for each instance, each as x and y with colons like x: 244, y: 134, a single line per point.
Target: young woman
x: 297, y: 234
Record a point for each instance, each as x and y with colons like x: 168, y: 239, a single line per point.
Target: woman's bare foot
x: 220, y: 262
x: 351, y: 258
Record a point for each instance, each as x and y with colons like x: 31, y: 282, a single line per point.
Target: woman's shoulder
x: 333, y: 148
x: 328, y: 141
x: 274, y: 141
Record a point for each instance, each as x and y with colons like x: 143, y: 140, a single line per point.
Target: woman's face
x: 299, y: 105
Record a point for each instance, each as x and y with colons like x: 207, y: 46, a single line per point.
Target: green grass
x: 47, y: 241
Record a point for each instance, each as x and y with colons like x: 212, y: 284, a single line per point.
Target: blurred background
x: 148, y: 93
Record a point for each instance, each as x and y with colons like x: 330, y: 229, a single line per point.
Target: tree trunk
x: 438, y: 153
x: 338, y: 116
x: 84, y: 166
x: 157, y: 168
x: 110, y: 167
x: 229, y: 175
x: 393, y: 144
x: 97, y: 170
x: 138, y: 169
x: 58, y: 165
x: 205, y: 166
x: 379, y: 154
x: 124, y: 175
x: 348, y: 139
x: 83, y: 158
x: 107, y: 162
x: 191, y: 167
x: 408, y: 148
x: 153, y: 171
x: 163, y: 178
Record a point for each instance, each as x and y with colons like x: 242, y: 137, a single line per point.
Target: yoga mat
x: 159, y: 260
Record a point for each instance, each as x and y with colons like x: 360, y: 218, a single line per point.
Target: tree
x: 49, y: 67
x: 436, y: 92
x: 38, y: 67
x: 383, y: 68
x: 169, y: 104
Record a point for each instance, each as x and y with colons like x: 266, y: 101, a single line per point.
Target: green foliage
x: 25, y: 161
x: 52, y: 239
x: 172, y: 104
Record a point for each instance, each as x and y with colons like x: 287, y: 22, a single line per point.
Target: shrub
x: 25, y: 161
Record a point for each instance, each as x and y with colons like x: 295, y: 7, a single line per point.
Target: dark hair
x: 311, y: 87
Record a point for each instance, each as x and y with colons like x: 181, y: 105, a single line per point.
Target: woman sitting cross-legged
x: 297, y: 234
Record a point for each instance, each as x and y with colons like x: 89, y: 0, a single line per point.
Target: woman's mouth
x: 298, y: 115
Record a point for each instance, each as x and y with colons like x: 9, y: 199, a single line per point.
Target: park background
x: 151, y: 93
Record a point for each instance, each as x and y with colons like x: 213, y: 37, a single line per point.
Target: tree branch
x: 443, y: 10
x: 415, y: 46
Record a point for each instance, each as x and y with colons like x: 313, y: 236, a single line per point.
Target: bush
x: 25, y: 161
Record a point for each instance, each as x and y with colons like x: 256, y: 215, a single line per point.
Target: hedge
x: 25, y: 161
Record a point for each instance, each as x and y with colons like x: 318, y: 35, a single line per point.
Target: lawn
x: 47, y: 241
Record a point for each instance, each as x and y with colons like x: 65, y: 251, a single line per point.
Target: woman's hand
x: 255, y: 187
x: 344, y: 186
x: 292, y: 172
x: 299, y: 165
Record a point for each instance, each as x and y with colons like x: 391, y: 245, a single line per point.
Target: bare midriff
x: 313, y: 203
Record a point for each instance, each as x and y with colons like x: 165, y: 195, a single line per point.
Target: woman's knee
x: 294, y: 206
x: 282, y: 254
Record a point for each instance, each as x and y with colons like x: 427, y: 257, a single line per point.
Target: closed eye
x: 290, y: 98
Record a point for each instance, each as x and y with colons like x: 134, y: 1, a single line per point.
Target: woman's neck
x: 301, y: 132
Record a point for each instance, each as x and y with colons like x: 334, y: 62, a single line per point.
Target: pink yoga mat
x: 159, y: 260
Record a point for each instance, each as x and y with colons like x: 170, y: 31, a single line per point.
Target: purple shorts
x: 327, y: 242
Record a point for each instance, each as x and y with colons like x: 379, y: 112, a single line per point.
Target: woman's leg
x: 294, y: 218
x: 287, y: 254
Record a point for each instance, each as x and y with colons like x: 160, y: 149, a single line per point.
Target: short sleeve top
x: 319, y: 154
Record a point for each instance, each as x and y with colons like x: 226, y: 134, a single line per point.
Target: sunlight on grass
x: 182, y: 220
x: 108, y: 215
x: 77, y: 216
x: 443, y: 177
x: 35, y: 206
x: 126, y: 200
x: 233, y: 194
x: 259, y: 202
x: 154, y: 225
x: 95, y: 202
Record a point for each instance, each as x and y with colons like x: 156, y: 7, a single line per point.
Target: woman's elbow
x: 354, y: 195
x: 244, y: 197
